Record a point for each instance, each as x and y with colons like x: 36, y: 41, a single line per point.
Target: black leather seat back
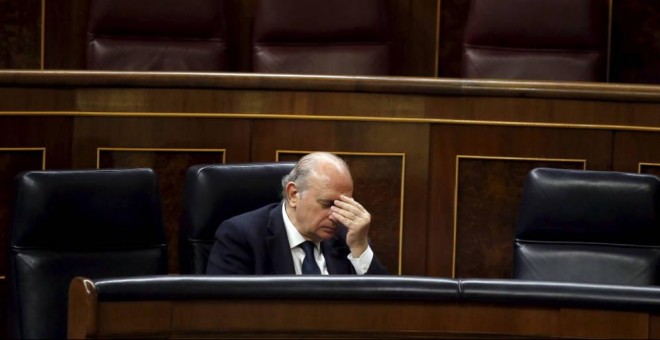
x: 589, y: 226
x: 95, y: 223
x: 214, y: 193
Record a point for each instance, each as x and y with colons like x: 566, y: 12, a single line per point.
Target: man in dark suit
x: 317, y: 229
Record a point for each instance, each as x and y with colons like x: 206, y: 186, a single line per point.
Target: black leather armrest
x: 195, y: 287
x: 577, y: 295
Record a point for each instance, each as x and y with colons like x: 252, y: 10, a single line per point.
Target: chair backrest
x: 589, y: 227
x: 216, y: 192
x: 343, y: 37
x: 563, y: 40
x: 156, y: 35
x: 96, y: 223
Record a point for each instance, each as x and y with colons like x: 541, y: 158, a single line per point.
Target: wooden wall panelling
x: 487, y: 200
x: 20, y: 29
x: 65, y: 28
x: 558, y: 112
x: 239, y: 34
x: 218, y: 102
x: 414, y: 37
x: 168, y: 146
x: 36, y: 99
x: 368, y: 147
x: 453, y: 16
x: 636, y: 152
x: 635, y: 44
x: 492, y: 218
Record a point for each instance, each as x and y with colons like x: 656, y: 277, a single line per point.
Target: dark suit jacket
x: 256, y: 243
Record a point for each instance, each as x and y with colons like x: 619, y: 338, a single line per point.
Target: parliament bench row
x: 357, y: 307
x: 574, y: 226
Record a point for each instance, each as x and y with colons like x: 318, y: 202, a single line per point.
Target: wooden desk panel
x: 432, y: 122
x: 343, y: 319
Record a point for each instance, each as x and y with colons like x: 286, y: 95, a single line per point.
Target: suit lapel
x: 277, y: 244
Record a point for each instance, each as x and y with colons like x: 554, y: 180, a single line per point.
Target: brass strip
x: 641, y: 164
x: 459, y: 157
x: 99, y: 149
x: 333, y: 118
x: 403, y: 180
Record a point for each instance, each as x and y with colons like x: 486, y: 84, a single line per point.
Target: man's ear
x: 292, y: 194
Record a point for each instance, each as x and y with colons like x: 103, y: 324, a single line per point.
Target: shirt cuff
x: 362, y: 263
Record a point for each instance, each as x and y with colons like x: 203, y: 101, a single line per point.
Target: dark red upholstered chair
x: 342, y: 37
x: 563, y: 40
x: 156, y: 35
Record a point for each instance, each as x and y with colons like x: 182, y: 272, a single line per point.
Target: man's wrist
x: 358, y: 250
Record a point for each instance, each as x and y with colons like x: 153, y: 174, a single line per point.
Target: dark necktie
x: 309, y: 265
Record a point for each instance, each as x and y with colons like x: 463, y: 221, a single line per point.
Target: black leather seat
x: 590, y: 227
x: 94, y: 223
x: 214, y: 193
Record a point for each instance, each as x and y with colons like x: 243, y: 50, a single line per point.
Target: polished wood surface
x: 268, y: 318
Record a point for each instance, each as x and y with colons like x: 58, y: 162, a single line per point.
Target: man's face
x: 311, y: 208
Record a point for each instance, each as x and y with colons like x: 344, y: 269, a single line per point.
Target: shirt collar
x: 295, y: 239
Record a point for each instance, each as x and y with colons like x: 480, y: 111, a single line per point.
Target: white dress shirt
x: 361, y: 264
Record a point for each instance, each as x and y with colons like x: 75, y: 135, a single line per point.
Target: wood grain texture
x: 20, y: 29
x: 358, y: 319
x: 65, y: 34
x: 453, y: 18
x: 631, y: 149
x: 450, y: 142
x: 489, y: 192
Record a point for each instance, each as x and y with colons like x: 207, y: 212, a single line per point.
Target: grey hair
x: 303, y: 169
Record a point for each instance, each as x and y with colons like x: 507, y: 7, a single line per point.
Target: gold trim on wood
x: 456, y: 172
x: 332, y: 118
x: 641, y: 164
x: 42, y: 149
x: 403, y: 181
x: 98, y: 151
